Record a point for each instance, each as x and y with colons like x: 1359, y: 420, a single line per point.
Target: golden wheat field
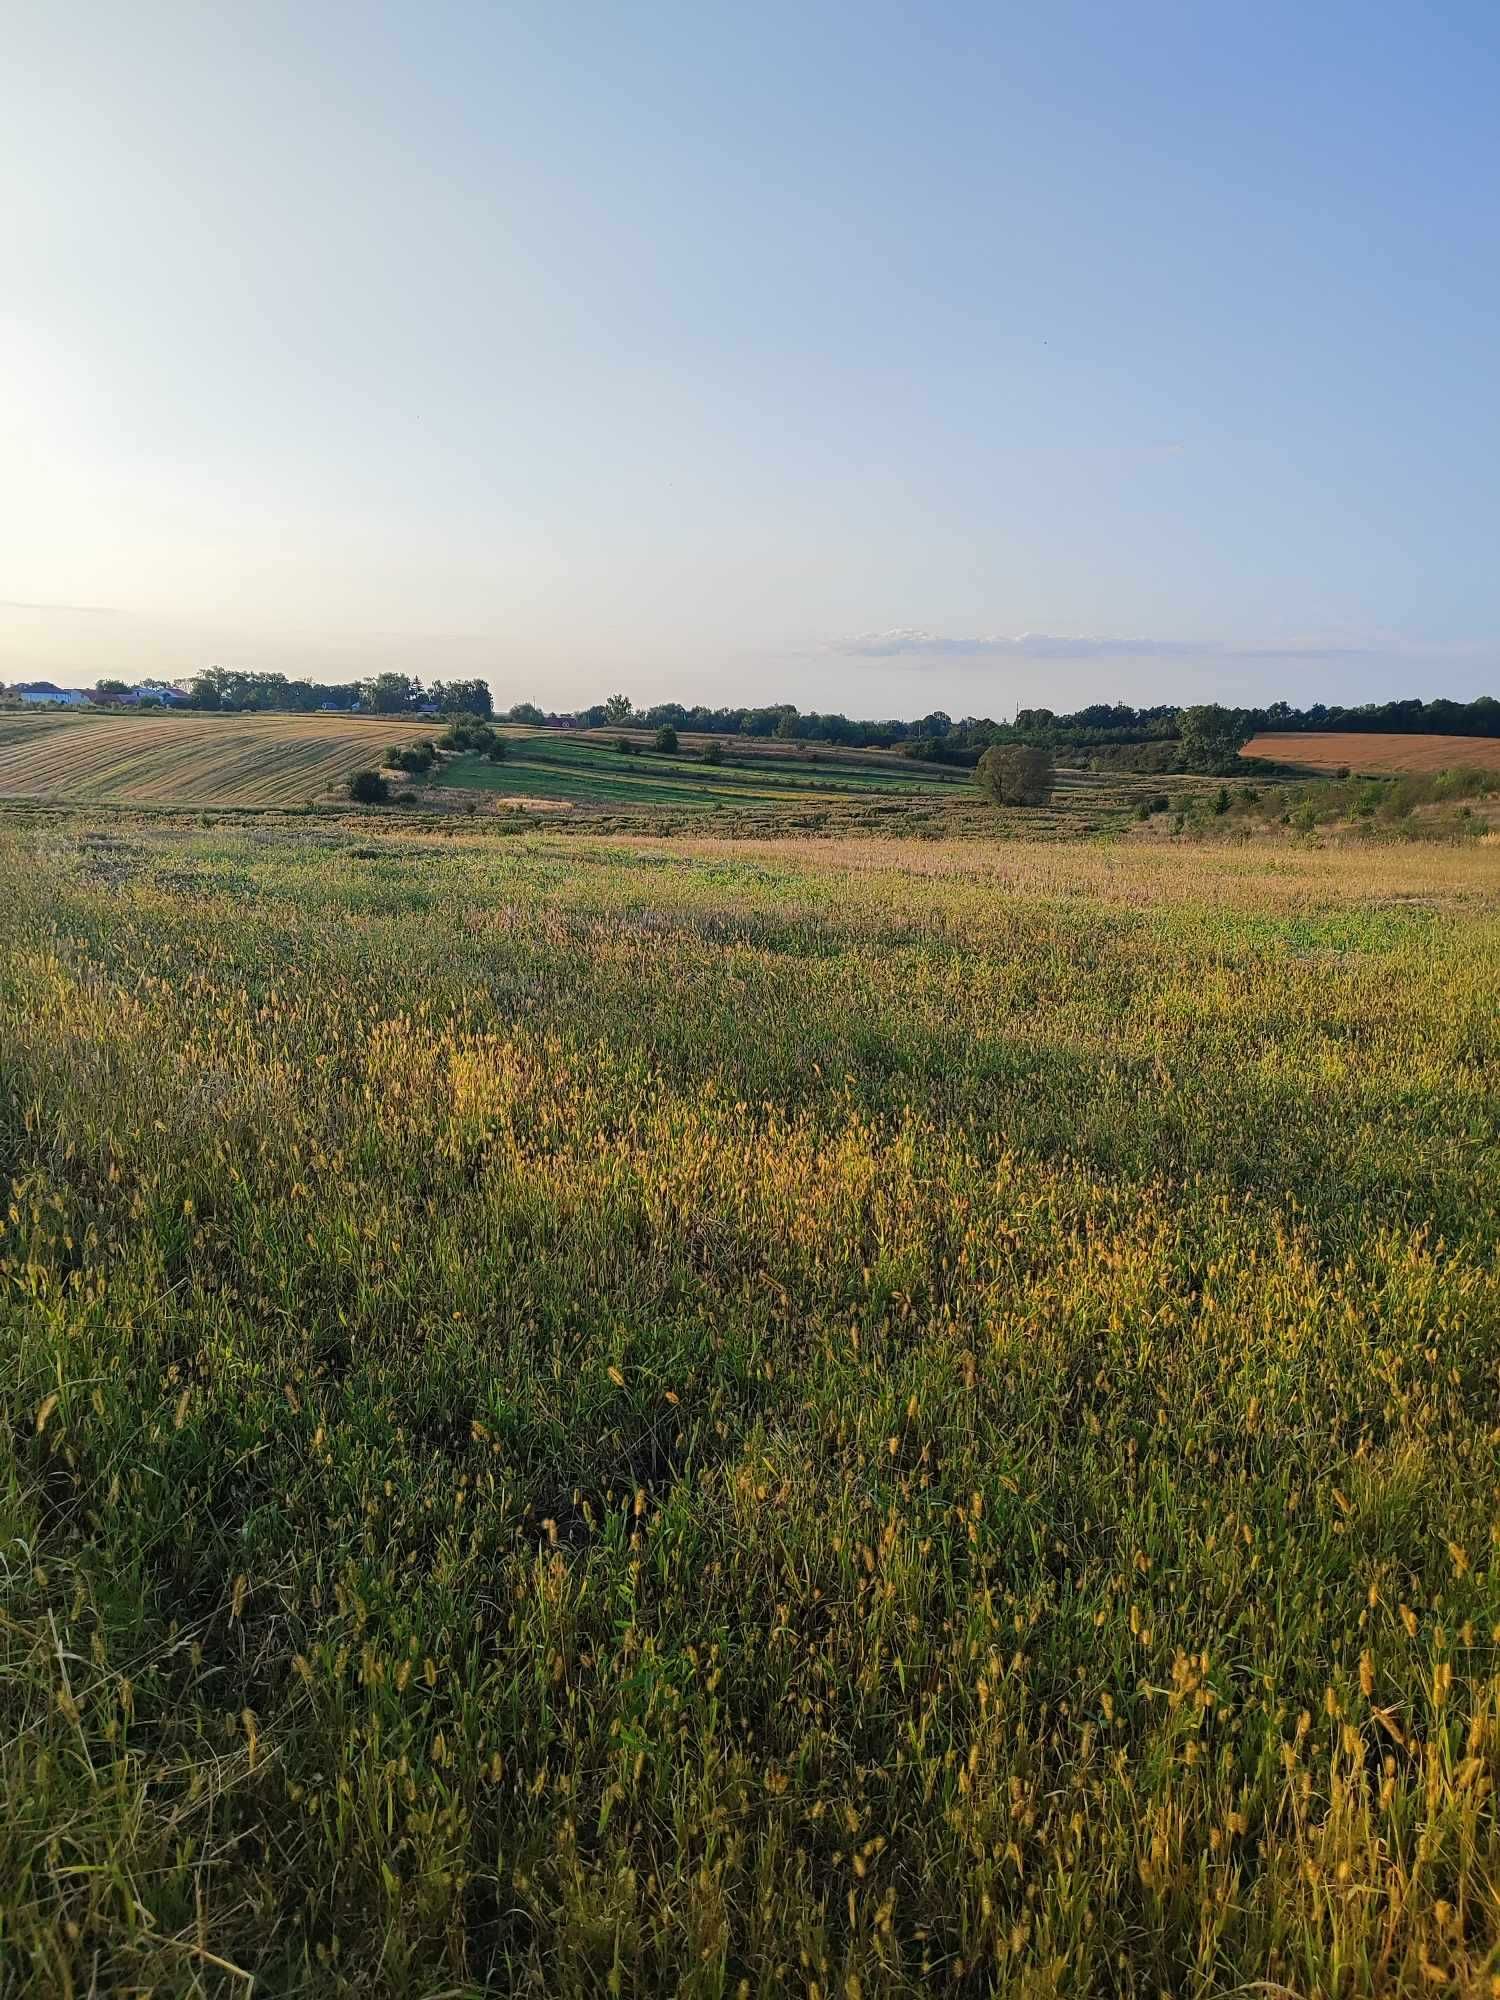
x: 197, y: 760
x: 618, y: 1416
x: 1333, y: 750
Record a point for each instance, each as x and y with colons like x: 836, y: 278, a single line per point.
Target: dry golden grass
x: 1333, y: 750
x: 201, y: 760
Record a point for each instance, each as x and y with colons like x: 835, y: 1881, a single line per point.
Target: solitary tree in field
x: 666, y: 739
x: 1017, y: 774
x: 368, y: 788
x: 713, y: 753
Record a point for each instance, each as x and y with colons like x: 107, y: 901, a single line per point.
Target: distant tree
x: 666, y: 739
x: 111, y: 690
x: 205, y: 692
x: 497, y: 750
x: 1017, y: 774
x: 1212, y: 735
x: 525, y: 711
x: 391, y: 694
x: 618, y: 709
x: 368, y: 788
x: 713, y: 753
x: 463, y: 697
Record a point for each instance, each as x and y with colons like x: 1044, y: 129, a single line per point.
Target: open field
x: 763, y: 787
x: 596, y: 1416
x: 587, y: 769
x: 1336, y: 749
x: 205, y: 760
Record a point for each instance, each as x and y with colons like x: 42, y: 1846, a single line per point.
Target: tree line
x: 1197, y: 736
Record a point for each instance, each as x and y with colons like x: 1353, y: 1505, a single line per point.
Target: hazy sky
x: 857, y: 355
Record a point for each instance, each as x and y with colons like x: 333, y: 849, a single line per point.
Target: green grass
x: 597, y: 1416
x: 552, y: 767
x: 766, y: 788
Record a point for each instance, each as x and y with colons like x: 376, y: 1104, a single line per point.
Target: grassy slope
x: 1334, y: 749
x: 582, y: 770
x: 210, y: 760
x: 766, y: 785
x: 596, y: 1416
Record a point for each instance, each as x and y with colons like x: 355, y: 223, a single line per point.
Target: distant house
x: 169, y: 697
x: 43, y: 694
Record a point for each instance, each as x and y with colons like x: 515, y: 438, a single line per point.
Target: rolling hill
x: 201, y: 760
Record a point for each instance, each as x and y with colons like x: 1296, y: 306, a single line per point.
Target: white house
x: 42, y: 694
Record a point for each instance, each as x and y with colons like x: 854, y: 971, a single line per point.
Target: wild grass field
x: 609, y: 1416
x: 1337, y: 750
x: 200, y: 760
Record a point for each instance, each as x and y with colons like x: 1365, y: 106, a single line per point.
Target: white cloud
x: 911, y: 643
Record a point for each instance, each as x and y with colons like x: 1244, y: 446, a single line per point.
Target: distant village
x: 150, y: 694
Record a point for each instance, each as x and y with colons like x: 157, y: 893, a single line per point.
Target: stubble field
x: 1335, y: 750
x: 599, y: 1416
x: 190, y: 760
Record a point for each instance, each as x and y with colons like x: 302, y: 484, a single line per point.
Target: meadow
x: 146, y: 759
x: 598, y: 1415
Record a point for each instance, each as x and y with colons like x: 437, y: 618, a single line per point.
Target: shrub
x: 497, y: 751
x: 666, y: 739
x: 714, y: 752
x: 1017, y: 774
x: 468, y: 736
x: 368, y: 788
x: 414, y: 757
x: 1221, y: 801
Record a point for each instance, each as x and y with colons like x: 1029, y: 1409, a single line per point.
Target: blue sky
x: 875, y: 357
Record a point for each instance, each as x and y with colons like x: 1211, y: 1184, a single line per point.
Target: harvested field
x: 207, y: 760
x: 1332, y: 749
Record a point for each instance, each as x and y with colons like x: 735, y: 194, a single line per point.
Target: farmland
x: 1375, y: 752
x: 198, y: 760
x: 582, y: 781
x: 598, y: 1414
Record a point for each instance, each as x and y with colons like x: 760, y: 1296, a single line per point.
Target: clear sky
x: 864, y: 356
